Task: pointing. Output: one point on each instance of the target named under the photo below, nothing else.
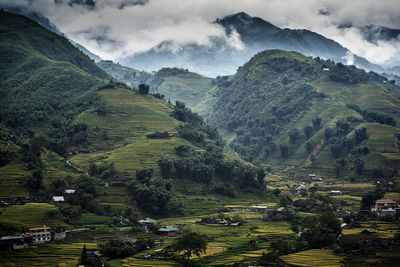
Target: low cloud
(137, 25)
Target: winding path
(76, 168)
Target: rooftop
(385, 201)
(259, 207)
(168, 229)
(58, 198)
(147, 220)
(39, 228)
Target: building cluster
(147, 223)
(387, 207)
(34, 236)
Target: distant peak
(247, 25)
(242, 16)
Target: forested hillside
(280, 105)
(63, 127)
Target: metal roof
(168, 229)
(147, 220)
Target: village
(310, 196)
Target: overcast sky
(115, 28)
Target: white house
(58, 199)
(40, 235)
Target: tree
(293, 135)
(84, 256)
(143, 89)
(261, 176)
(284, 150)
(285, 201)
(359, 165)
(316, 122)
(58, 186)
(308, 131)
(360, 135)
(192, 244)
(143, 176)
(35, 182)
(369, 198)
(322, 231)
(309, 147)
(165, 167)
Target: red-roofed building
(385, 204)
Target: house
(146, 223)
(261, 209)
(335, 193)
(386, 212)
(119, 181)
(15, 242)
(58, 199)
(325, 69)
(40, 235)
(58, 234)
(123, 220)
(130, 243)
(381, 204)
(312, 176)
(83, 150)
(69, 191)
(169, 231)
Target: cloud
(137, 25)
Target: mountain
(62, 125)
(124, 74)
(44, 80)
(180, 84)
(374, 33)
(280, 106)
(247, 36)
(46, 23)
(173, 83)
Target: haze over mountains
(233, 40)
(247, 36)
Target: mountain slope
(180, 84)
(54, 113)
(43, 76)
(266, 106)
(124, 74)
(173, 83)
(222, 57)
(46, 23)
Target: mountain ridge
(256, 34)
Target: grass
(313, 257)
(12, 180)
(130, 117)
(91, 219)
(31, 215)
(50, 254)
(187, 87)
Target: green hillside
(280, 105)
(20, 32)
(54, 112)
(124, 74)
(173, 83)
(180, 84)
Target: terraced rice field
(314, 257)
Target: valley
(292, 160)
